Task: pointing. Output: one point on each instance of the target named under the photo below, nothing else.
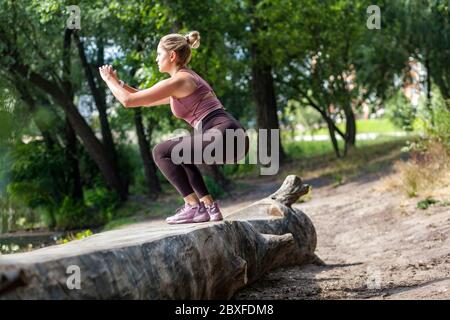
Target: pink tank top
(192, 108)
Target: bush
(427, 169)
(439, 128)
(401, 112)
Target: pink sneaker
(189, 214)
(214, 212)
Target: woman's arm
(130, 89)
(159, 102)
(156, 103)
(158, 93)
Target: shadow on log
(153, 260)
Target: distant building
(412, 81)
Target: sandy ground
(376, 245)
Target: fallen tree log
(210, 260)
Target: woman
(192, 99)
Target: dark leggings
(186, 177)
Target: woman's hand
(108, 73)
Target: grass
(140, 208)
(321, 154)
(382, 125)
(426, 174)
(370, 157)
(301, 149)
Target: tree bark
(350, 129)
(144, 147)
(333, 137)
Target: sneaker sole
(202, 219)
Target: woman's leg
(174, 173)
(196, 180)
(186, 177)
(208, 200)
(194, 175)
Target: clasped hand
(107, 73)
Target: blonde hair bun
(193, 38)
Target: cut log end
(291, 190)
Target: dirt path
(375, 244)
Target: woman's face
(163, 59)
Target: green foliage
(37, 174)
(5, 124)
(433, 123)
(213, 187)
(77, 236)
(424, 204)
(439, 127)
(102, 200)
(39, 181)
(401, 112)
(70, 214)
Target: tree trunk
(99, 99)
(350, 130)
(263, 87)
(205, 261)
(266, 108)
(333, 137)
(74, 176)
(428, 79)
(144, 140)
(144, 147)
